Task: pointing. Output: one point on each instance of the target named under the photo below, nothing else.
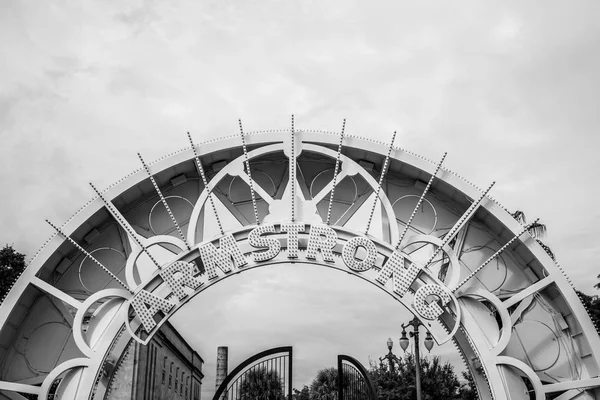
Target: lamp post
(415, 323)
(390, 357)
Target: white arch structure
(517, 319)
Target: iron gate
(265, 376)
(354, 382)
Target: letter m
(227, 255)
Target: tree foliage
(467, 390)
(324, 386)
(12, 264)
(536, 229)
(592, 303)
(438, 381)
(261, 384)
(303, 394)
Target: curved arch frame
(555, 275)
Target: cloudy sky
(510, 89)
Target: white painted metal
(533, 290)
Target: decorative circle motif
(172, 198)
(45, 345)
(407, 204)
(259, 177)
(540, 343)
(100, 280)
(494, 275)
(324, 177)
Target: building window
(181, 386)
(187, 385)
(164, 370)
(196, 391)
(176, 379)
(170, 375)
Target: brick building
(168, 368)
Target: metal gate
(354, 382)
(264, 376)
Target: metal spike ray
(164, 201)
(335, 172)
(459, 224)
(412, 216)
(249, 173)
(493, 256)
(383, 172)
(292, 174)
(205, 182)
(84, 251)
(124, 224)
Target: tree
(303, 394)
(390, 385)
(536, 229)
(468, 390)
(12, 264)
(324, 386)
(592, 303)
(261, 384)
(438, 381)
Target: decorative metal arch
(354, 382)
(277, 359)
(502, 313)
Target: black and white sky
(509, 89)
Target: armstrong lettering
(359, 255)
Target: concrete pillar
(222, 355)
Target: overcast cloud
(510, 89)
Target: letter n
(402, 277)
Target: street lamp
(390, 357)
(415, 323)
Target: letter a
(146, 314)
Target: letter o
(349, 252)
